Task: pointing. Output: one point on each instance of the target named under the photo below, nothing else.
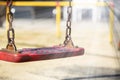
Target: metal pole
(111, 19)
(58, 20)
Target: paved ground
(99, 62)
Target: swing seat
(35, 54)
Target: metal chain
(10, 32)
(68, 41)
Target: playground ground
(100, 61)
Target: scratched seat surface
(46, 53)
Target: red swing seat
(34, 54)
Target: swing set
(11, 54)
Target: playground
(93, 38)
(98, 63)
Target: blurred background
(95, 27)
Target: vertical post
(111, 19)
(7, 11)
(58, 20)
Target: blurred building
(84, 11)
(34, 12)
(87, 11)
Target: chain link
(68, 41)
(10, 32)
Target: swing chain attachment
(68, 41)
(10, 32)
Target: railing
(51, 3)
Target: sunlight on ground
(29, 38)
